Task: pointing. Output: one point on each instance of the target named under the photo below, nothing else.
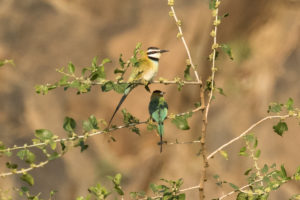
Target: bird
(158, 110)
(143, 73)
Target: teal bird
(158, 109)
(144, 73)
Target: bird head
(154, 53)
(157, 93)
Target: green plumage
(158, 109)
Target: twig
(240, 189)
(22, 171)
(72, 138)
(178, 23)
(246, 131)
(189, 142)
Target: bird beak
(163, 51)
(162, 93)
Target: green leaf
(181, 196)
(117, 181)
(129, 118)
(226, 49)
(275, 108)
(243, 151)
(257, 154)
(82, 145)
(212, 4)
(4, 62)
(246, 173)
(26, 155)
(109, 85)
(187, 75)
(283, 172)
(11, 165)
(265, 169)
(98, 74)
(280, 128)
(28, 179)
(181, 121)
(234, 186)
(151, 126)
(44, 134)
(297, 174)
(94, 63)
(120, 87)
(221, 91)
(99, 191)
(135, 130)
(224, 154)
(69, 124)
(54, 155)
(105, 60)
(289, 104)
(225, 15)
(71, 68)
(121, 61)
(84, 70)
(137, 48)
(63, 81)
(90, 124)
(242, 196)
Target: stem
(247, 131)
(184, 43)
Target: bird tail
(126, 92)
(160, 129)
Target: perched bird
(143, 73)
(158, 109)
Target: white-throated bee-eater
(143, 73)
(158, 109)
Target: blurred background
(42, 35)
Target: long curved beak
(163, 51)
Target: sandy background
(42, 35)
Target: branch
(240, 189)
(178, 23)
(22, 171)
(246, 131)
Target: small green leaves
(71, 68)
(129, 118)
(117, 183)
(169, 191)
(90, 124)
(82, 145)
(275, 108)
(289, 104)
(243, 151)
(69, 124)
(226, 49)
(181, 121)
(44, 134)
(296, 176)
(212, 4)
(224, 154)
(4, 62)
(11, 165)
(26, 155)
(187, 75)
(280, 128)
(27, 178)
(98, 191)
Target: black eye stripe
(153, 58)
